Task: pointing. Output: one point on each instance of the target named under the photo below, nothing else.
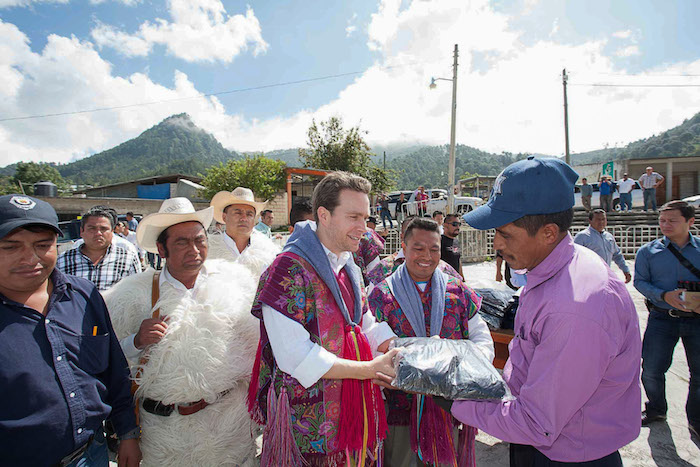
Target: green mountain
(175, 145)
(680, 141)
(428, 165)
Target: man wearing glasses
(450, 251)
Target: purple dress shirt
(574, 363)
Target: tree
(333, 148)
(262, 175)
(28, 173)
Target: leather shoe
(647, 419)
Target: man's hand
(673, 298)
(499, 276)
(129, 453)
(384, 346)
(628, 277)
(383, 365)
(151, 332)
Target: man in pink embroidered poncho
(419, 300)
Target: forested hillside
(175, 145)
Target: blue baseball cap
(21, 210)
(531, 186)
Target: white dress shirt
(228, 241)
(294, 351)
(128, 346)
(625, 186)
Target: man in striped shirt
(99, 258)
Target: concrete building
(160, 187)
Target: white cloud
(351, 27)
(628, 51)
(200, 31)
(626, 34)
(555, 28)
(511, 102)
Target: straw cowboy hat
(240, 195)
(172, 211)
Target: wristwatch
(133, 434)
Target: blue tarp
(160, 191)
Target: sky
(255, 74)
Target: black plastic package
(493, 306)
(453, 369)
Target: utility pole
(384, 160)
(564, 78)
(451, 174)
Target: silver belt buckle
(672, 314)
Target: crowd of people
(234, 338)
(648, 182)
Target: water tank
(46, 189)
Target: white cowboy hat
(172, 211)
(240, 195)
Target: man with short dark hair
(314, 366)
(649, 181)
(384, 213)
(574, 361)
(450, 250)
(597, 239)
(62, 370)
(606, 189)
(132, 223)
(439, 217)
(586, 194)
(388, 265)
(267, 217)
(625, 186)
(301, 211)
(405, 301)
(189, 335)
(100, 257)
(660, 267)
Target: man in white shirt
(649, 181)
(241, 243)
(319, 339)
(189, 335)
(625, 187)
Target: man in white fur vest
(241, 243)
(192, 352)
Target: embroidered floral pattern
(291, 286)
(461, 304)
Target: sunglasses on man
(454, 224)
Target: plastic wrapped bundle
(453, 369)
(493, 305)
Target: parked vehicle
(394, 199)
(693, 200)
(637, 197)
(437, 201)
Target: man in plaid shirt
(99, 258)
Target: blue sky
(73, 55)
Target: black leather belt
(673, 313)
(165, 410)
(75, 455)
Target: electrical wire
(211, 94)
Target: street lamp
(451, 176)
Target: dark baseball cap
(21, 210)
(531, 186)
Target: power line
(201, 96)
(636, 85)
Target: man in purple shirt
(575, 360)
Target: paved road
(663, 444)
